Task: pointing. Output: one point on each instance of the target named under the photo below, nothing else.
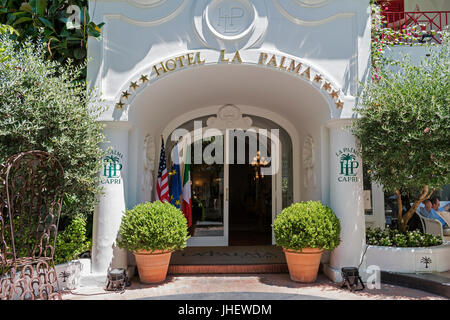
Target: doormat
(232, 255)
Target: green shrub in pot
(153, 226)
(307, 225)
(305, 230)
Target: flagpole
(162, 184)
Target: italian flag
(187, 197)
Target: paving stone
(246, 287)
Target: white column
(346, 199)
(112, 203)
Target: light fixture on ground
(350, 276)
(117, 280)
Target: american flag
(162, 185)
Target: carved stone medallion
(230, 19)
(229, 117)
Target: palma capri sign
(279, 62)
(348, 165)
(112, 168)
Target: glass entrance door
(209, 207)
(232, 202)
(250, 195)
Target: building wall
(329, 34)
(331, 40)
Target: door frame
(276, 195)
(219, 241)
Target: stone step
(228, 269)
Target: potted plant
(152, 231)
(71, 245)
(304, 230)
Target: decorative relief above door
(230, 24)
(229, 117)
(230, 19)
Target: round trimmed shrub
(153, 226)
(307, 225)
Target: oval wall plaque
(230, 19)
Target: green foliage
(72, 242)
(307, 225)
(395, 238)
(42, 108)
(153, 226)
(4, 29)
(50, 22)
(404, 128)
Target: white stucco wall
(332, 35)
(330, 38)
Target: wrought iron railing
(428, 22)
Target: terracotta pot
(303, 265)
(152, 265)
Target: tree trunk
(400, 221)
(404, 219)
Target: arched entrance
(242, 175)
(293, 102)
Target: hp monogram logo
(112, 168)
(230, 24)
(348, 165)
(229, 19)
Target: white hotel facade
(290, 65)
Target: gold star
(134, 85)
(126, 94)
(120, 105)
(317, 78)
(144, 78)
(327, 86)
(340, 104)
(334, 94)
(172, 173)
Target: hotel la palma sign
(348, 165)
(112, 168)
(250, 57)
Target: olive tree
(43, 108)
(404, 127)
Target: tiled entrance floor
(246, 287)
(231, 259)
(237, 255)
